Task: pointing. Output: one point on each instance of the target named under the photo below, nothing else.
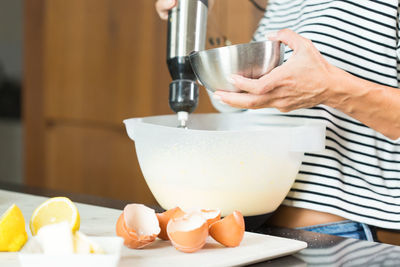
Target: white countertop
(100, 221)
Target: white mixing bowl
(245, 162)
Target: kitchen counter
(323, 250)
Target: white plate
(253, 249)
(111, 246)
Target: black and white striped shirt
(357, 176)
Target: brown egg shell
(229, 231)
(187, 240)
(137, 217)
(163, 219)
(211, 215)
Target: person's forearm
(375, 105)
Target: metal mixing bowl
(213, 67)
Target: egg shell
(211, 215)
(229, 231)
(163, 219)
(139, 216)
(131, 239)
(188, 233)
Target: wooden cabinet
(89, 64)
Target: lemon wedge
(55, 210)
(12, 230)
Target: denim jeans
(348, 229)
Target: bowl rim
(194, 54)
(314, 132)
(291, 123)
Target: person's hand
(163, 6)
(302, 81)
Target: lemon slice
(12, 230)
(55, 210)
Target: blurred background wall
(87, 65)
(11, 32)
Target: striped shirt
(357, 176)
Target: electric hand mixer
(187, 23)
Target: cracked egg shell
(188, 233)
(138, 226)
(163, 219)
(229, 231)
(211, 215)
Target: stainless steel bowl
(213, 67)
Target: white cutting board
(254, 248)
(99, 221)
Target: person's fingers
(241, 100)
(261, 85)
(163, 6)
(289, 38)
(247, 84)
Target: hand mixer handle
(187, 23)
